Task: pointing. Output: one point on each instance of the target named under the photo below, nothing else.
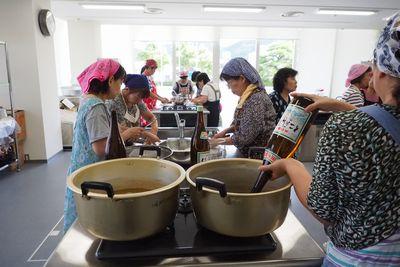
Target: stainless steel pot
(180, 149)
(224, 205)
(148, 151)
(108, 206)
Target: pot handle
(85, 186)
(154, 148)
(213, 183)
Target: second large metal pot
(109, 206)
(224, 205)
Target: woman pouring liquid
(355, 187)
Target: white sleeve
(206, 91)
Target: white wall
(34, 92)
(85, 45)
(118, 45)
(315, 50)
(352, 46)
(48, 85)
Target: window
(191, 56)
(231, 48)
(275, 54)
(162, 53)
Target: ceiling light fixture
(153, 10)
(292, 14)
(233, 9)
(346, 12)
(112, 6)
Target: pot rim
(232, 193)
(164, 143)
(177, 182)
(137, 146)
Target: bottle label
(270, 156)
(292, 123)
(204, 136)
(203, 156)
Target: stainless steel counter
(295, 248)
(160, 111)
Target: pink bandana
(356, 71)
(100, 70)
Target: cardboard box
(19, 116)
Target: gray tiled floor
(32, 204)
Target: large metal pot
(108, 206)
(224, 205)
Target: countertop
(295, 248)
(160, 111)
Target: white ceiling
(190, 12)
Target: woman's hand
(278, 168)
(132, 133)
(164, 100)
(325, 103)
(221, 134)
(150, 138)
(122, 128)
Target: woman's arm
(298, 175)
(325, 103)
(148, 116)
(99, 147)
(200, 99)
(222, 133)
(132, 133)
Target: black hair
(359, 79)
(281, 77)
(144, 92)
(203, 77)
(142, 69)
(226, 77)
(98, 87)
(194, 75)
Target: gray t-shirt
(97, 122)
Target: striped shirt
(385, 253)
(353, 96)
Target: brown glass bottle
(115, 147)
(199, 146)
(286, 137)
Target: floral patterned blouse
(356, 180)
